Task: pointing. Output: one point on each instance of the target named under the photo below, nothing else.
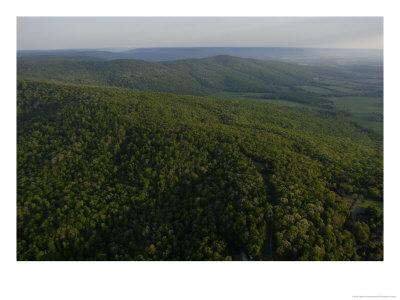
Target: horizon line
(189, 47)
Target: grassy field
(342, 89)
(362, 108)
(359, 104)
(361, 205)
(334, 84)
(258, 98)
(315, 89)
(240, 96)
(367, 202)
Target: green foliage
(356, 91)
(361, 232)
(115, 174)
(297, 95)
(368, 230)
(192, 76)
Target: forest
(322, 87)
(112, 166)
(191, 76)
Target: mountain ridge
(192, 76)
(288, 54)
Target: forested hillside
(272, 80)
(115, 174)
(192, 76)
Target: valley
(217, 158)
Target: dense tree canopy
(115, 174)
(192, 76)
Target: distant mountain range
(313, 56)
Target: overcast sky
(35, 33)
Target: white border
(203, 280)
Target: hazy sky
(135, 32)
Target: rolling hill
(115, 174)
(193, 76)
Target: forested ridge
(115, 174)
(191, 76)
(310, 85)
